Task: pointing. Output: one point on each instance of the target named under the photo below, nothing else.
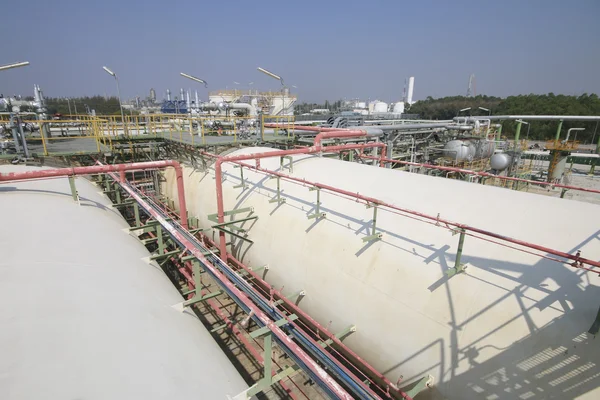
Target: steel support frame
(302, 358)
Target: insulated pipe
(479, 173)
(398, 127)
(532, 117)
(102, 169)
(338, 134)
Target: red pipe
(297, 310)
(103, 169)
(254, 309)
(481, 173)
(257, 156)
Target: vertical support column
(518, 134)
(73, 188)
(160, 240)
(23, 140)
(196, 276)
(117, 194)
(461, 242)
(499, 133)
(136, 212)
(557, 137)
(15, 133)
(458, 267)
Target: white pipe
(532, 117)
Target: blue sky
(328, 49)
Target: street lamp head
(194, 79)
(108, 71)
(14, 65)
(484, 109)
(522, 122)
(465, 109)
(272, 75)
(237, 83)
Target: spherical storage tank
(511, 324)
(500, 161)
(83, 315)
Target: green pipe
(556, 139)
(518, 134)
(499, 133)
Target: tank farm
(390, 260)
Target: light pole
(463, 110)
(14, 65)
(194, 79)
(69, 104)
(275, 76)
(486, 109)
(108, 71)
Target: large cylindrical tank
(399, 107)
(500, 161)
(380, 107)
(511, 324)
(84, 315)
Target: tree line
(102, 105)
(530, 104)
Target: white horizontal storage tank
(513, 326)
(84, 315)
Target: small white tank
(361, 104)
(380, 107)
(399, 107)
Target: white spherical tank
(84, 315)
(498, 326)
(459, 150)
(380, 107)
(500, 161)
(399, 107)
